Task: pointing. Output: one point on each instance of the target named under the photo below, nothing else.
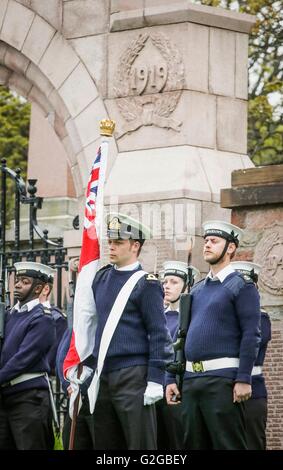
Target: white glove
(153, 393)
(72, 375)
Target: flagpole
(107, 127)
(75, 414)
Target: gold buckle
(198, 366)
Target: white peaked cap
(178, 268)
(124, 226)
(33, 269)
(222, 229)
(246, 267)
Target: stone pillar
(256, 200)
(47, 162)
(177, 88)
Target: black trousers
(121, 421)
(256, 414)
(170, 432)
(26, 421)
(211, 419)
(84, 434)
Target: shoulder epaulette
(247, 279)
(107, 266)
(58, 311)
(101, 271)
(151, 277)
(47, 311)
(236, 283)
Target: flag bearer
(139, 346)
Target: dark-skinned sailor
(25, 411)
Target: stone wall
(256, 199)
(172, 74)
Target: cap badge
(114, 224)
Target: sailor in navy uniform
(134, 368)
(221, 346)
(256, 406)
(176, 277)
(57, 315)
(25, 412)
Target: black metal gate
(40, 249)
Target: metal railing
(40, 248)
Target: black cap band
(35, 275)
(176, 272)
(230, 237)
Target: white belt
(221, 363)
(23, 378)
(257, 370)
(212, 364)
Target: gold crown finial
(107, 127)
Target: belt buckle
(198, 366)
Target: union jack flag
(82, 342)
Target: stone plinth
(256, 200)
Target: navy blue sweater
(172, 319)
(60, 328)
(28, 338)
(225, 322)
(62, 350)
(141, 336)
(258, 382)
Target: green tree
(265, 125)
(14, 134)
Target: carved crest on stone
(269, 254)
(149, 82)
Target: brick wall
(257, 203)
(255, 222)
(273, 371)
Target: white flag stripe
(85, 322)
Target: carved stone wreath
(269, 253)
(149, 109)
